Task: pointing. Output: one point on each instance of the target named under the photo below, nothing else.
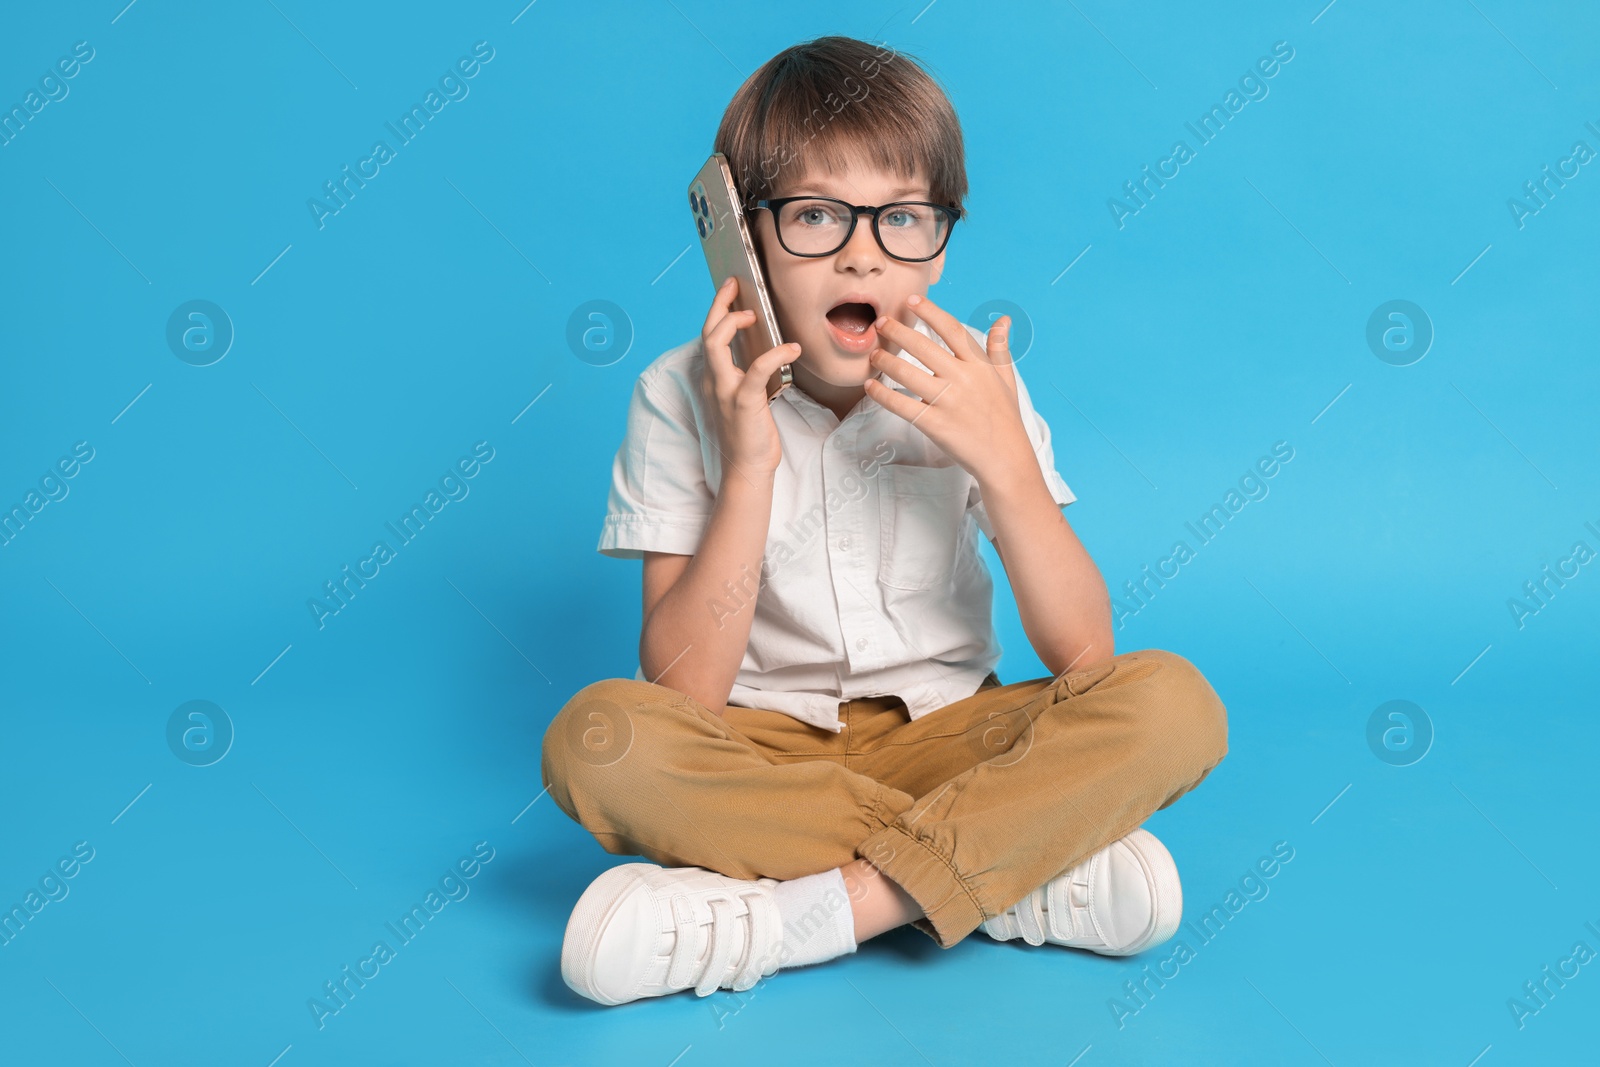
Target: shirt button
(845, 543)
(861, 642)
(838, 442)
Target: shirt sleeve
(659, 500)
(1039, 435)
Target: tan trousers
(968, 808)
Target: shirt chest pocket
(920, 523)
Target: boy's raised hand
(969, 403)
(737, 399)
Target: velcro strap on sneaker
(1030, 918)
(1063, 921)
(723, 934)
(765, 936)
(686, 949)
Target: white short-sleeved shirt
(872, 583)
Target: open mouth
(851, 325)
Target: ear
(938, 269)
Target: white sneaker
(1119, 901)
(643, 930)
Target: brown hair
(818, 103)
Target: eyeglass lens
(818, 227)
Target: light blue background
(370, 755)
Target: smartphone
(725, 240)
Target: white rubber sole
(1161, 873)
(590, 917)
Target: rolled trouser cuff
(950, 909)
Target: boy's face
(805, 289)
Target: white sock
(817, 922)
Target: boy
(815, 748)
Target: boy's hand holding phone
(745, 431)
(730, 252)
(971, 408)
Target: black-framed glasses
(913, 231)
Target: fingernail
(914, 300)
(880, 321)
